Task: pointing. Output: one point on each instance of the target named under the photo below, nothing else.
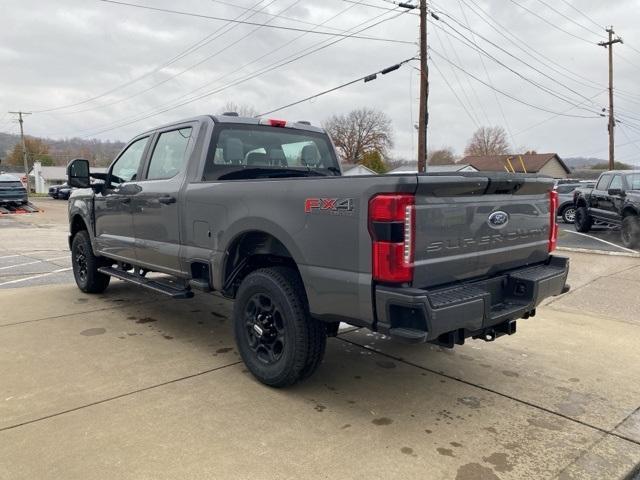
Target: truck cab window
(603, 183)
(616, 182)
(125, 169)
(169, 154)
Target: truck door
(114, 225)
(156, 207)
(598, 197)
(613, 203)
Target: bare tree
(360, 131)
(443, 156)
(488, 141)
(242, 109)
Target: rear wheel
(582, 220)
(86, 264)
(278, 339)
(568, 214)
(631, 231)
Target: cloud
(68, 51)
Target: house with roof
(543, 163)
(41, 178)
(349, 170)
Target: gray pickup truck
(257, 211)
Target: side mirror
(78, 173)
(615, 191)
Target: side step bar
(154, 285)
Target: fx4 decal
(336, 206)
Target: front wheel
(583, 221)
(631, 231)
(569, 214)
(86, 264)
(278, 339)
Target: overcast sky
(66, 52)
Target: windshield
(264, 149)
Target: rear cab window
(260, 151)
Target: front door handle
(166, 200)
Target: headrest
(233, 151)
(257, 158)
(309, 155)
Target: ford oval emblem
(498, 219)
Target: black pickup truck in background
(615, 200)
(258, 211)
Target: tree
(373, 160)
(488, 141)
(242, 109)
(443, 156)
(616, 166)
(360, 131)
(37, 151)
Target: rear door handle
(167, 200)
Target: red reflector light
(553, 226)
(389, 207)
(392, 259)
(277, 123)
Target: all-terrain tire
(631, 231)
(277, 338)
(583, 221)
(86, 264)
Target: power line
(486, 72)
(275, 65)
(511, 96)
(566, 17)
(547, 22)
(515, 72)
(190, 49)
(257, 24)
(365, 78)
(476, 47)
(583, 14)
(446, 81)
(196, 64)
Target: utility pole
(424, 90)
(24, 146)
(612, 120)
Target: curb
(598, 252)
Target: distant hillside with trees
(57, 152)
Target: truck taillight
(553, 226)
(392, 229)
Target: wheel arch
(248, 251)
(629, 210)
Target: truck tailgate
(475, 225)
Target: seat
(309, 156)
(233, 151)
(257, 158)
(278, 157)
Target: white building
(352, 170)
(41, 178)
(454, 167)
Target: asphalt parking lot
(128, 384)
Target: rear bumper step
(483, 309)
(155, 285)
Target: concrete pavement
(129, 384)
